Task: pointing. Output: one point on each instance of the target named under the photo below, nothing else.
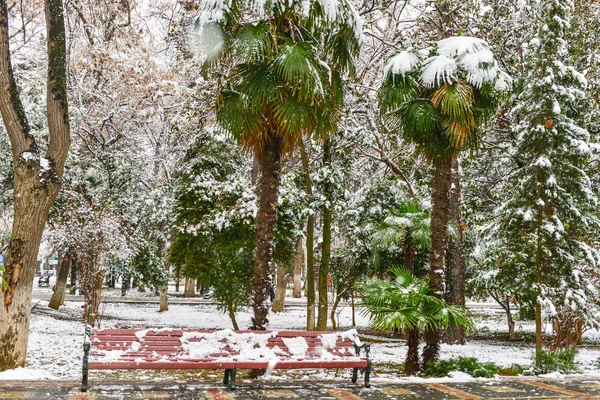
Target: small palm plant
(407, 226)
(406, 302)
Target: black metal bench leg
(354, 375)
(226, 378)
(232, 373)
(368, 374)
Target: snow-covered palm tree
(437, 98)
(287, 60)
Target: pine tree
(548, 221)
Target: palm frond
(419, 118)
(253, 43)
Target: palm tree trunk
(310, 250)
(440, 188)
(326, 248)
(266, 219)
(58, 297)
(411, 365)
(455, 255)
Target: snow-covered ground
(56, 339)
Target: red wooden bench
(225, 349)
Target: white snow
(296, 346)
(402, 63)
(438, 70)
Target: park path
(581, 388)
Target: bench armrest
(365, 346)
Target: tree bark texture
(411, 364)
(326, 249)
(90, 277)
(297, 292)
(58, 297)
(189, 289)
(35, 183)
(440, 188)
(266, 219)
(455, 255)
(310, 249)
(280, 289)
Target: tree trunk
(310, 250)
(91, 277)
(280, 289)
(455, 255)
(233, 320)
(58, 297)
(189, 289)
(326, 248)
(164, 299)
(353, 308)
(266, 219)
(126, 283)
(73, 278)
(177, 278)
(440, 188)
(36, 179)
(297, 293)
(510, 321)
(334, 307)
(411, 364)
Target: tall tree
(286, 82)
(36, 178)
(550, 219)
(437, 103)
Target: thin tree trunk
(455, 255)
(310, 250)
(233, 320)
(35, 183)
(411, 364)
(73, 278)
(58, 297)
(510, 321)
(353, 309)
(326, 248)
(280, 289)
(189, 289)
(440, 188)
(334, 307)
(126, 283)
(297, 293)
(266, 219)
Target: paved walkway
(493, 389)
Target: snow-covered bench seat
(223, 349)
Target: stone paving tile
(501, 389)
